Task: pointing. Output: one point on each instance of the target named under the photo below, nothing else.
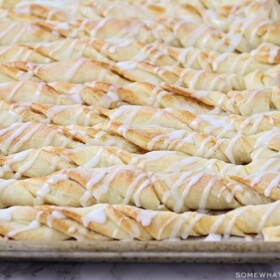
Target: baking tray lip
(141, 251)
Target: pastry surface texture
(139, 120)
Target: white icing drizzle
(267, 215)
(32, 226)
(97, 216)
(198, 33)
(136, 196)
(273, 184)
(213, 237)
(98, 27)
(189, 227)
(173, 192)
(205, 194)
(217, 122)
(16, 158)
(273, 54)
(230, 147)
(237, 213)
(94, 161)
(9, 29)
(230, 195)
(19, 129)
(185, 60)
(14, 90)
(267, 165)
(127, 65)
(110, 176)
(253, 33)
(164, 225)
(70, 73)
(265, 137)
(55, 215)
(216, 225)
(194, 180)
(27, 164)
(131, 189)
(204, 143)
(145, 217)
(6, 215)
(89, 186)
(46, 187)
(218, 58)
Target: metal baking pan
(139, 251)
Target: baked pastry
(153, 109)
(174, 31)
(262, 58)
(122, 73)
(224, 126)
(109, 95)
(178, 192)
(123, 222)
(22, 136)
(95, 10)
(47, 160)
(238, 150)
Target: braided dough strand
(123, 222)
(47, 160)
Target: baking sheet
(139, 251)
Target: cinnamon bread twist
(122, 222)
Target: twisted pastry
(47, 160)
(76, 71)
(101, 94)
(256, 31)
(27, 32)
(122, 73)
(248, 33)
(24, 32)
(266, 53)
(266, 9)
(214, 4)
(22, 136)
(122, 222)
(60, 114)
(109, 95)
(173, 31)
(158, 54)
(225, 63)
(227, 126)
(220, 126)
(96, 11)
(50, 51)
(206, 36)
(221, 19)
(245, 103)
(247, 8)
(237, 150)
(138, 116)
(177, 192)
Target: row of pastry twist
(139, 119)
